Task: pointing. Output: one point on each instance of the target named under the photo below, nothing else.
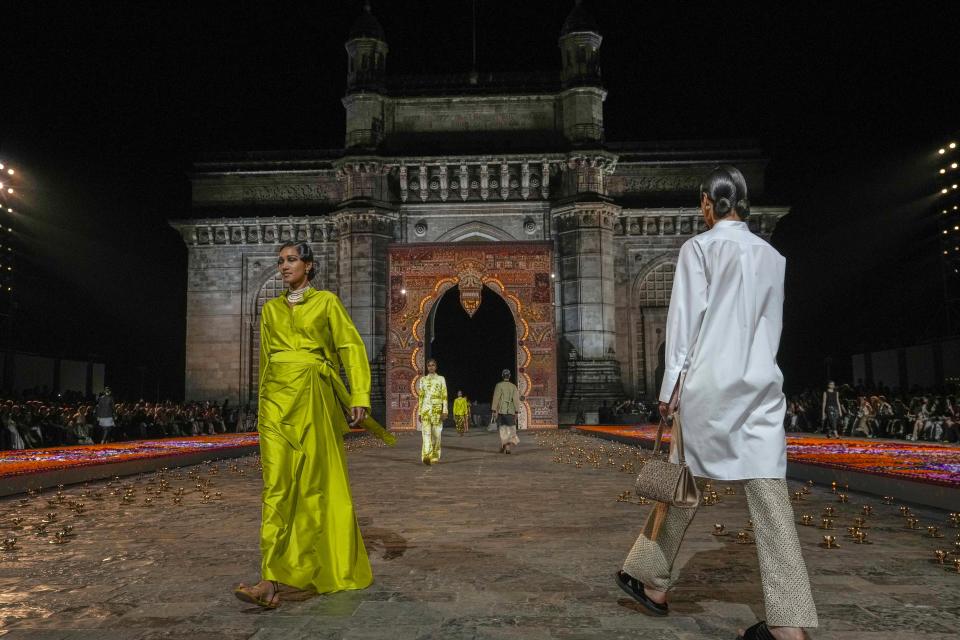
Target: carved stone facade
(489, 160)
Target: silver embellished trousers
(783, 573)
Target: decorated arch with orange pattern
(519, 272)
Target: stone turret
(366, 75)
(583, 94)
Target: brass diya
(642, 500)
(806, 520)
(749, 525)
(797, 496)
(867, 510)
(826, 523)
(933, 532)
(743, 537)
(718, 530)
(912, 523)
(956, 563)
(40, 528)
(829, 512)
(861, 523)
(888, 500)
(842, 498)
(833, 487)
(829, 542)
(59, 538)
(8, 544)
(940, 556)
(729, 491)
(16, 521)
(861, 538)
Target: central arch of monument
(519, 272)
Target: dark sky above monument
(106, 103)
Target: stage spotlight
(943, 191)
(9, 171)
(953, 165)
(10, 190)
(942, 151)
(942, 171)
(953, 145)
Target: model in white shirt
(723, 329)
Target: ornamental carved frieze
(587, 217)
(349, 222)
(255, 232)
(284, 192)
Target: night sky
(105, 105)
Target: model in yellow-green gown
(461, 413)
(431, 412)
(309, 537)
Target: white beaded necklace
(293, 297)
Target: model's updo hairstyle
(726, 188)
(305, 251)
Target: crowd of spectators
(879, 412)
(67, 419)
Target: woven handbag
(668, 482)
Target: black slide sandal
(759, 631)
(634, 588)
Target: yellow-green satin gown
(309, 536)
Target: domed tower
(366, 72)
(583, 94)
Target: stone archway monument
(519, 272)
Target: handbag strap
(676, 433)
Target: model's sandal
(246, 594)
(634, 588)
(759, 631)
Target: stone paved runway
(481, 546)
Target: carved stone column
(444, 192)
(484, 181)
(584, 232)
(363, 235)
(504, 180)
(424, 183)
(525, 180)
(464, 178)
(403, 183)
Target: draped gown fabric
(723, 327)
(309, 536)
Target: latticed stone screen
(655, 289)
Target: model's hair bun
(724, 186)
(743, 207)
(722, 206)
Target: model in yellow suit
(431, 411)
(309, 536)
(461, 413)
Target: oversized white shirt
(723, 327)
